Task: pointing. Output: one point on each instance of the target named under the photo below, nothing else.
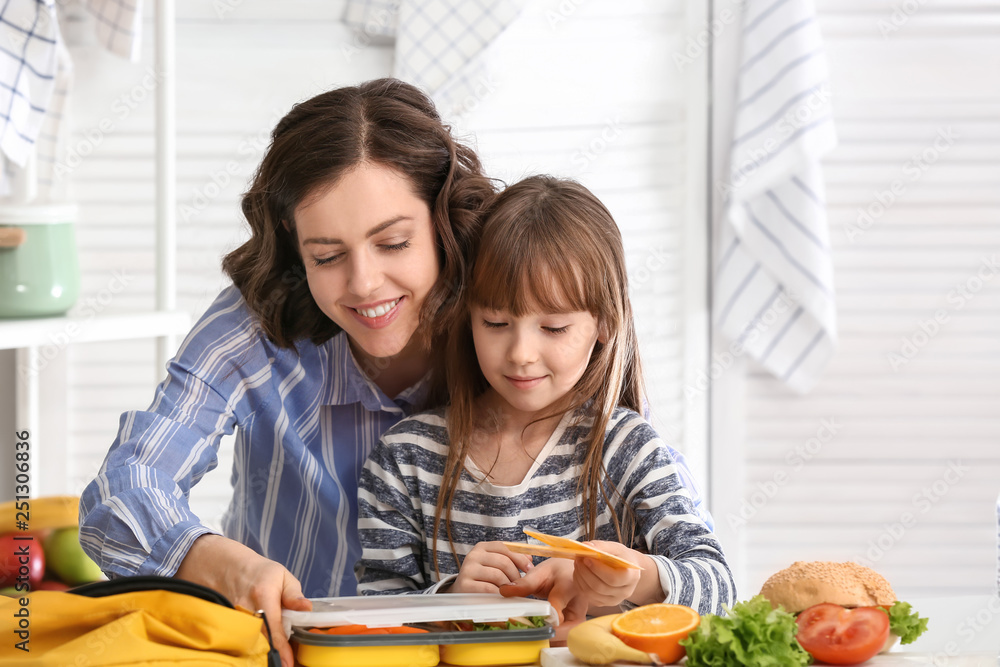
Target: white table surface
(962, 632)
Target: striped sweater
(399, 488)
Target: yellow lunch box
(463, 648)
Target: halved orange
(657, 628)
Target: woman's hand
(489, 566)
(553, 580)
(606, 586)
(248, 580)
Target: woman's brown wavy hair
(386, 122)
(547, 245)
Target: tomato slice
(839, 636)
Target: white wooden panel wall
(894, 458)
(583, 89)
(590, 91)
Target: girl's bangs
(533, 279)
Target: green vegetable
(751, 634)
(905, 622)
(536, 622)
(487, 627)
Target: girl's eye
(493, 325)
(397, 246)
(556, 330)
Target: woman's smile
(378, 315)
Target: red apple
(19, 550)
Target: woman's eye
(397, 246)
(556, 330)
(320, 261)
(493, 325)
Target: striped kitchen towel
(774, 293)
(119, 26)
(440, 44)
(29, 64)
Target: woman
(361, 216)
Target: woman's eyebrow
(380, 227)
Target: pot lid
(37, 214)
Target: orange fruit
(657, 628)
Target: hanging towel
(119, 26)
(29, 62)
(440, 44)
(774, 293)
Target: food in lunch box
(512, 623)
(365, 630)
(847, 613)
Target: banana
(593, 643)
(50, 512)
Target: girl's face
(534, 360)
(370, 255)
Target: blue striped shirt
(399, 490)
(304, 425)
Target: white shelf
(62, 331)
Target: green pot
(39, 272)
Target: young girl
(542, 430)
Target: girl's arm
(390, 528)
(689, 563)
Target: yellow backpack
(132, 621)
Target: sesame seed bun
(805, 584)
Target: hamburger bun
(805, 584)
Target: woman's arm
(134, 516)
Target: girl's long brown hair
(547, 245)
(386, 122)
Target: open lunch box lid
(385, 611)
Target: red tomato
(12, 546)
(839, 636)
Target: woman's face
(370, 255)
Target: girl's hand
(489, 566)
(553, 580)
(248, 580)
(605, 586)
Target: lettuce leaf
(511, 624)
(905, 622)
(751, 634)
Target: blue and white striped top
(304, 425)
(399, 490)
